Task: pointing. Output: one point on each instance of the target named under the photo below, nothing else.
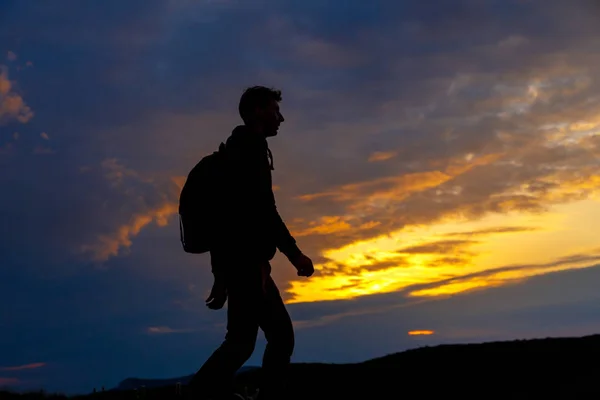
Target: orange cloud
(179, 181)
(420, 261)
(24, 367)
(108, 246)
(116, 172)
(383, 188)
(459, 166)
(328, 225)
(325, 225)
(396, 188)
(12, 105)
(382, 156)
(420, 333)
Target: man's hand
(304, 265)
(218, 296)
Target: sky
(439, 163)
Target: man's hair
(256, 96)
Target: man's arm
(283, 238)
(217, 266)
(287, 245)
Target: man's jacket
(252, 229)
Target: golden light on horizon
(421, 333)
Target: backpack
(199, 203)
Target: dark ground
(562, 368)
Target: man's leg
(215, 377)
(276, 323)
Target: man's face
(270, 118)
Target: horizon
(153, 383)
(438, 163)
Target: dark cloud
(562, 262)
(90, 327)
(441, 246)
(65, 210)
(493, 231)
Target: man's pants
(254, 302)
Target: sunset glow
(453, 257)
(439, 163)
(420, 333)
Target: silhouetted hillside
(134, 383)
(541, 369)
(562, 368)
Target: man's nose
(281, 119)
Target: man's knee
(283, 343)
(288, 345)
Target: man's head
(259, 108)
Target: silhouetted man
(250, 233)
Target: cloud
(439, 247)
(9, 381)
(327, 225)
(530, 309)
(494, 230)
(39, 149)
(500, 276)
(10, 56)
(533, 125)
(372, 207)
(464, 124)
(423, 267)
(7, 148)
(12, 105)
(43, 150)
(312, 315)
(112, 245)
(495, 304)
(420, 333)
(119, 239)
(24, 367)
(322, 53)
(104, 206)
(381, 156)
(116, 173)
(162, 330)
